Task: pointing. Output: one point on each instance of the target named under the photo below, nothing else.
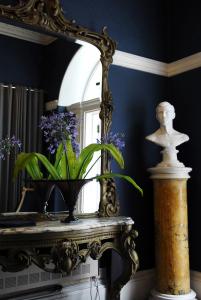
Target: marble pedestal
(171, 234)
(159, 296)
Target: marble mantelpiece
(59, 247)
(47, 226)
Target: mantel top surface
(47, 226)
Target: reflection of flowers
(117, 139)
(59, 127)
(9, 145)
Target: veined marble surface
(57, 226)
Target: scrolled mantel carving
(48, 15)
(65, 255)
(70, 256)
(15, 260)
(128, 242)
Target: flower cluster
(59, 127)
(117, 139)
(8, 145)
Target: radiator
(33, 279)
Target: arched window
(80, 92)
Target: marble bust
(166, 136)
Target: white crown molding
(185, 64)
(139, 63)
(135, 62)
(123, 59)
(25, 34)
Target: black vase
(70, 190)
(44, 189)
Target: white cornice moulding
(135, 62)
(123, 59)
(25, 34)
(139, 63)
(185, 64)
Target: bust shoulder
(173, 139)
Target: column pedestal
(158, 296)
(171, 234)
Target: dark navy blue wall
(21, 62)
(29, 64)
(184, 28)
(56, 59)
(9, 2)
(138, 26)
(185, 94)
(149, 29)
(163, 30)
(136, 95)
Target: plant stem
(92, 166)
(67, 165)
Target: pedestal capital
(169, 172)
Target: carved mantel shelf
(57, 247)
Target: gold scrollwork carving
(109, 206)
(128, 242)
(65, 256)
(94, 249)
(130, 260)
(15, 260)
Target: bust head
(165, 113)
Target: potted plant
(68, 169)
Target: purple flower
(117, 139)
(9, 145)
(59, 127)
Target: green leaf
(71, 159)
(59, 154)
(65, 162)
(33, 169)
(87, 153)
(30, 162)
(63, 166)
(128, 178)
(47, 164)
(24, 160)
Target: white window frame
(80, 109)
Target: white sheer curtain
(20, 111)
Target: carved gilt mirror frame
(48, 15)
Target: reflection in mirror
(59, 71)
(80, 92)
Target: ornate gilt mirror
(47, 18)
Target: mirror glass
(48, 72)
